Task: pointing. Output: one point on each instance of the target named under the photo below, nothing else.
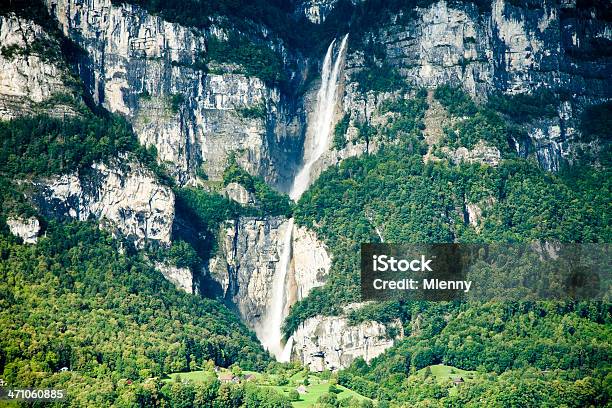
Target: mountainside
(244, 150)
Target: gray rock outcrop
(124, 196)
(316, 10)
(25, 228)
(150, 70)
(182, 278)
(238, 193)
(33, 76)
(249, 255)
(330, 342)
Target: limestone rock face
(316, 10)
(248, 258)
(124, 196)
(30, 73)
(182, 278)
(473, 213)
(504, 48)
(238, 193)
(481, 153)
(311, 262)
(26, 229)
(149, 70)
(329, 342)
(249, 251)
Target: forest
(75, 300)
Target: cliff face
(150, 70)
(26, 229)
(316, 10)
(507, 48)
(331, 343)
(249, 257)
(126, 197)
(182, 278)
(33, 76)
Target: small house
(457, 381)
(301, 389)
(226, 377)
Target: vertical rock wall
(126, 197)
(150, 70)
(249, 255)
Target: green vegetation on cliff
(409, 201)
(43, 146)
(254, 60)
(267, 200)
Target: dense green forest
(77, 300)
(523, 354)
(42, 146)
(410, 201)
(520, 349)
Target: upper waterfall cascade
(321, 126)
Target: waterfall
(321, 126)
(269, 331)
(286, 354)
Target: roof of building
(226, 376)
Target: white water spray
(269, 331)
(286, 354)
(324, 115)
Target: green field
(314, 390)
(443, 373)
(195, 376)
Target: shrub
(339, 141)
(524, 107)
(269, 202)
(455, 100)
(256, 60)
(258, 111)
(293, 396)
(176, 101)
(596, 122)
(379, 78)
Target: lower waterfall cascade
(269, 330)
